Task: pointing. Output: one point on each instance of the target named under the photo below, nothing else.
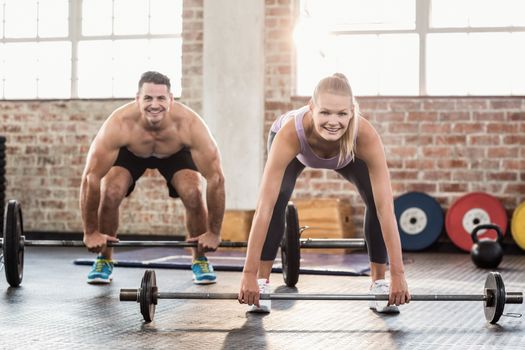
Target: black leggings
(357, 173)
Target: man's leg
(114, 188)
(187, 183)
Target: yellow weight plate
(517, 226)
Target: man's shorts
(166, 166)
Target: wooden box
(236, 225)
(326, 218)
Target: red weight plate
(469, 211)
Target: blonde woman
(328, 133)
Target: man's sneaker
(101, 271)
(265, 305)
(203, 271)
(381, 306)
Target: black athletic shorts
(166, 166)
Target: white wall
(233, 93)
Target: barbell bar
(494, 296)
(14, 242)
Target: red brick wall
(443, 146)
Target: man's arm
(207, 158)
(101, 156)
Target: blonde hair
(338, 84)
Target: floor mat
(355, 264)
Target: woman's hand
(249, 292)
(399, 293)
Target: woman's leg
(276, 227)
(277, 223)
(357, 173)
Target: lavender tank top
(306, 155)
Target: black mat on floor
(355, 264)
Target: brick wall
(443, 146)
(48, 143)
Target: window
(409, 47)
(87, 48)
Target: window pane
(113, 68)
(374, 64)
(130, 62)
(516, 63)
(20, 18)
(131, 17)
(169, 63)
(21, 77)
(53, 18)
(481, 63)
(2, 69)
(165, 17)
(1, 16)
(95, 69)
(361, 14)
(97, 17)
(54, 70)
(477, 13)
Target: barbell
(13, 244)
(494, 296)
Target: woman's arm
(370, 149)
(284, 148)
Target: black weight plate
(290, 247)
(419, 219)
(495, 291)
(12, 249)
(146, 299)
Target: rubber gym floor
(54, 308)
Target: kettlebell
(486, 253)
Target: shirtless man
(152, 132)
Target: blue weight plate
(419, 220)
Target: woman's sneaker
(265, 306)
(381, 306)
(203, 271)
(101, 271)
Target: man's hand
(96, 241)
(207, 242)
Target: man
(152, 132)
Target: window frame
(74, 37)
(422, 29)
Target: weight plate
(419, 219)
(495, 292)
(517, 225)
(470, 210)
(147, 300)
(12, 248)
(290, 247)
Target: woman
(328, 133)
